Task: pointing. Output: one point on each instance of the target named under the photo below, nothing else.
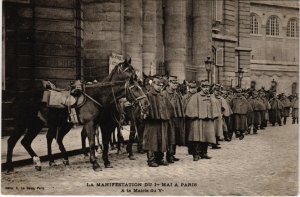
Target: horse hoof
(131, 157)
(10, 170)
(98, 169)
(108, 166)
(38, 168)
(66, 162)
(52, 163)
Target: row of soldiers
(204, 116)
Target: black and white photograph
(150, 97)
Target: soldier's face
(173, 84)
(157, 86)
(205, 89)
(192, 90)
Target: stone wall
(103, 31)
(274, 57)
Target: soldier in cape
(201, 111)
(286, 104)
(294, 105)
(240, 108)
(191, 90)
(258, 107)
(177, 131)
(275, 111)
(157, 125)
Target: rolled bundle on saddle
(59, 98)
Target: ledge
(243, 49)
(224, 37)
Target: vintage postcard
(150, 97)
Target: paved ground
(263, 164)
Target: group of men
(205, 115)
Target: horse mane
(117, 70)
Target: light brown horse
(97, 111)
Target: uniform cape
(159, 106)
(202, 106)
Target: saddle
(60, 98)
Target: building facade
(275, 44)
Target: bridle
(130, 95)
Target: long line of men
(205, 115)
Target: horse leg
(64, 130)
(120, 136)
(90, 130)
(83, 138)
(98, 139)
(32, 132)
(119, 140)
(106, 135)
(11, 142)
(50, 136)
(112, 141)
(130, 142)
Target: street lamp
(240, 76)
(208, 64)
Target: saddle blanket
(58, 99)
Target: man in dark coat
(240, 108)
(155, 139)
(275, 111)
(177, 132)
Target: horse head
(135, 95)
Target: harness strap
(92, 99)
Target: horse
(29, 121)
(103, 99)
(29, 105)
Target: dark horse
(30, 121)
(120, 83)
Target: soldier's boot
(203, 153)
(151, 159)
(174, 153)
(215, 146)
(294, 119)
(159, 158)
(255, 129)
(170, 153)
(284, 120)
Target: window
(292, 28)
(272, 27)
(217, 6)
(254, 24)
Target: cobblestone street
(263, 164)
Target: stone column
(133, 32)
(175, 37)
(202, 35)
(149, 37)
